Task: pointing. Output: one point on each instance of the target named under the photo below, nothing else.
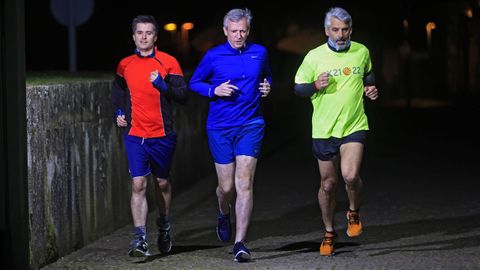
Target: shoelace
(328, 241)
(353, 218)
(328, 238)
(144, 245)
(139, 243)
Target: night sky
(106, 37)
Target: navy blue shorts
(150, 155)
(226, 144)
(327, 149)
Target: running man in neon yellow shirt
(335, 76)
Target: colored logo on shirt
(344, 71)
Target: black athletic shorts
(327, 149)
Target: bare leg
(164, 196)
(244, 174)
(326, 193)
(138, 201)
(351, 159)
(225, 191)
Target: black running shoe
(164, 241)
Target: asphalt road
(420, 204)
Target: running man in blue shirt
(235, 76)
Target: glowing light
(469, 13)
(405, 27)
(170, 27)
(429, 27)
(187, 26)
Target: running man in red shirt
(144, 87)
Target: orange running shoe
(354, 227)
(327, 246)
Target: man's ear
(225, 31)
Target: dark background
(106, 36)
(406, 66)
(427, 110)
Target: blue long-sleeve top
(246, 69)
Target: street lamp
(429, 27)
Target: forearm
(177, 88)
(119, 89)
(369, 79)
(305, 89)
(203, 89)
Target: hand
(322, 81)
(371, 92)
(153, 75)
(264, 88)
(121, 122)
(225, 89)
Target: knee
(244, 186)
(138, 187)
(225, 190)
(163, 184)
(351, 179)
(328, 185)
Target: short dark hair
(144, 19)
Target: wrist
(119, 112)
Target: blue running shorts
(327, 149)
(226, 144)
(150, 155)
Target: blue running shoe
(224, 228)
(139, 248)
(241, 252)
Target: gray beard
(339, 47)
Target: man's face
(339, 32)
(237, 33)
(145, 37)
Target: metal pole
(72, 37)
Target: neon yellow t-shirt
(338, 109)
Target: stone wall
(78, 181)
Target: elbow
(303, 90)
(182, 96)
(369, 79)
(297, 90)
